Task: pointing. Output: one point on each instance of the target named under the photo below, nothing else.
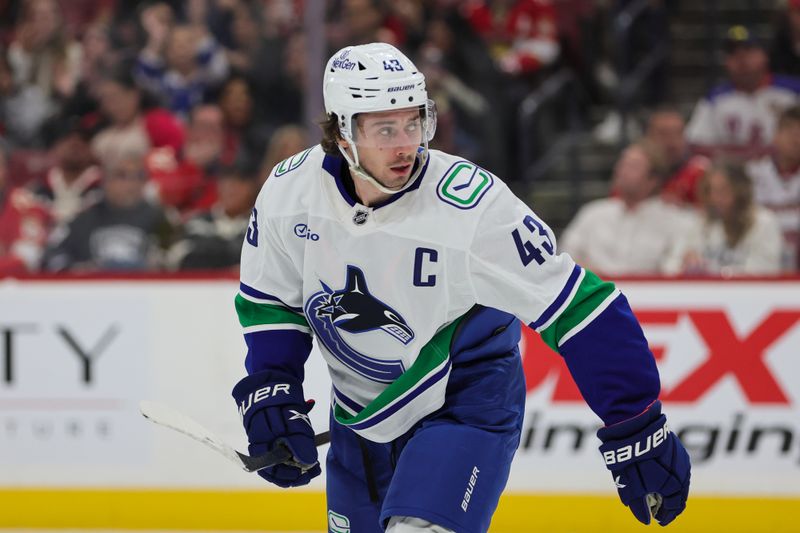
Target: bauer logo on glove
(261, 394)
(625, 453)
(649, 466)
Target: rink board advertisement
(77, 356)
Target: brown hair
(330, 134)
(742, 215)
(790, 114)
(664, 109)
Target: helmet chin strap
(361, 172)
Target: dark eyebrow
(391, 122)
(384, 123)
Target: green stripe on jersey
(256, 314)
(431, 356)
(590, 294)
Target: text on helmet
(400, 88)
(343, 63)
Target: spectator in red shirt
(186, 181)
(23, 226)
(131, 123)
(665, 129)
(522, 34)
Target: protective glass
(392, 129)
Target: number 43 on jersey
(527, 250)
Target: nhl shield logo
(360, 217)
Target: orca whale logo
(355, 310)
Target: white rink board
(729, 359)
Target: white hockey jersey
(382, 288)
(728, 118)
(780, 194)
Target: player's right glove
(274, 413)
(647, 462)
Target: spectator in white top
(42, 54)
(739, 116)
(776, 182)
(733, 236)
(631, 231)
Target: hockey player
(413, 269)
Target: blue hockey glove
(274, 413)
(650, 466)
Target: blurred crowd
(134, 136)
(718, 195)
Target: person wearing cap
(738, 117)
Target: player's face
(120, 103)
(387, 144)
(633, 174)
(123, 183)
(747, 66)
(73, 153)
(720, 194)
(666, 130)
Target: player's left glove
(647, 462)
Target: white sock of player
(409, 524)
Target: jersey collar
(336, 166)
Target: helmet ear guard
(374, 78)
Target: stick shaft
(170, 418)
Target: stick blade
(166, 416)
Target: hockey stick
(166, 416)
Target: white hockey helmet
(371, 78)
